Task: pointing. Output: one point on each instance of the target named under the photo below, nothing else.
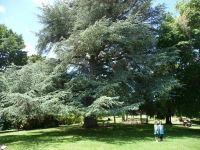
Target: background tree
(34, 58)
(187, 100)
(25, 95)
(182, 33)
(191, 10)
(11, 46)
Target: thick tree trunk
(126, 117)
(114, 119)
(123, 117)
(147, 120)
(141, 117)
(168, 119)
(90, 122)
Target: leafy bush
(70, 119)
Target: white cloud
(30, 49)
(42, 2)
(2, 9)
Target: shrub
(70, 119)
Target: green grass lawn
(119, 137)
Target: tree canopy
(113, 57)
(11, 45)
(182, 32)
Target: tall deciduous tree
(182, 32)
(11, 46)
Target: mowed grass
(118, 137)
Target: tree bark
(126, 117)
(114, 119)
(141, 117)
(168, 119)
(147, 120)
(123, 117)
(90, 122)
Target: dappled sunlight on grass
(114, 137)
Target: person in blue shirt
(161, 131)
(156, 131)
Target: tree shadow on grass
(7, 131)
(117, 134)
